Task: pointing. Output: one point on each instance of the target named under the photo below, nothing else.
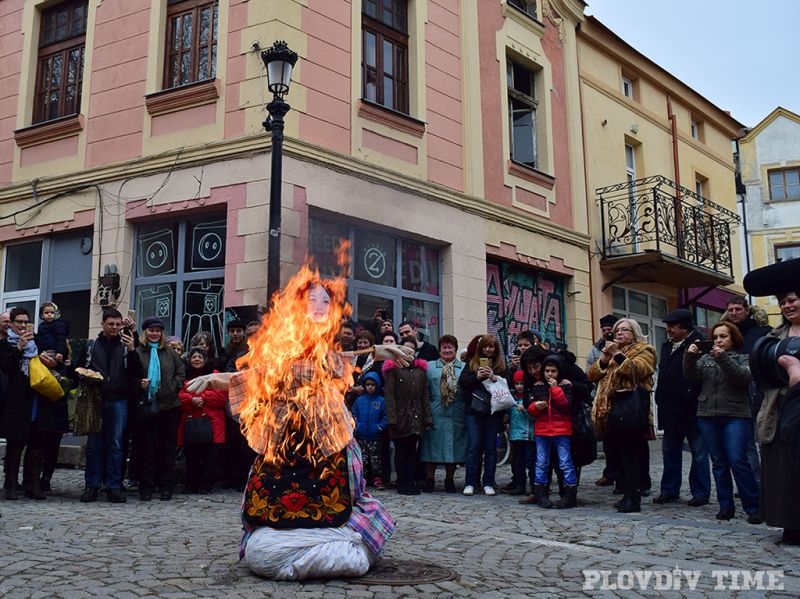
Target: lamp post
(279, 60)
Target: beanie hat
(236, 323)
(173, 339)
(518, 376)
(608, 320)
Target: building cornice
(306, 152)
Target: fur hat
(608, 320)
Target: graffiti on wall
(518, 299)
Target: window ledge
(531, 174)
(529, 22)
(180, 98)
(42, 133)
(391, 118)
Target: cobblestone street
(188, 547)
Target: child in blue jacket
(369, 411)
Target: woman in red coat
(201, 457)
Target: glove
(399, 353)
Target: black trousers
(633, 454)
(155, 448)
(201, 465)
(405, 458)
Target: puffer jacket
(370, 412)
(556, 419)
(725, 383)
(408, 406)
(213, 406)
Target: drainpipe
(741, 198)
(677, 175)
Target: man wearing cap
(612, 464)
(676, 400)
(110, 355)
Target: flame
(294, 405)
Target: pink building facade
(441, 138)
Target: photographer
(779, 418)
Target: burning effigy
(305, 511)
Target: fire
(295, 395)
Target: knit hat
(173, 339)
(518, 376)
(236, 323)
(538, 334)
(152, 322)
(608, 320)
(198, 350)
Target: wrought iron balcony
(655, 230)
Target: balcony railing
(655, 214)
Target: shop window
(180, 275)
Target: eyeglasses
(21, 321)
(624, 330)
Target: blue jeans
(699, 473)
(561, 443)
(481, 441)
(104, 450)
(727, 440)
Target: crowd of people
(433, 410)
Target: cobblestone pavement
(188, 547)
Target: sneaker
(488, 490)
(89, 494)
(469, 490)
(116, 496)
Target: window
(630, 177)
(398, 275)
(627, 88)
(522, 105)
(191, 50)
(180, 275)
(786, 252)
(526, 6)
(784, 184)
(59, 72)
(695, 129)
(648, 310)
(384, 60)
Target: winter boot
(32, 474)
(630, 503)
(570, 497)
(519, 489)
(534, 498)
(543, 494)
(11, 485)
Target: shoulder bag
(630, 408)
(197, 430)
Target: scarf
(448, 387)
(153, 372)
(28, 352)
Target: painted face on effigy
(319, 304)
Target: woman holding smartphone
(723, 415)
(482, 427)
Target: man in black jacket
(112, 355)
(676, 399)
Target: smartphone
(484, 363)
(610, 336)
(29, 327)
(382, 312)
(132, 315)
(517, 352)
(704, 346)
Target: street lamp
(279, 60)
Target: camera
(609, 336)
(704, 346)
(517, 352)
(764, 360)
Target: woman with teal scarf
(159, 412)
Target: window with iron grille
(784, 184)
(59, 72)
(384, 59)
(522, 105)
(191, 50)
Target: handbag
(480, 401)
(197, 430)
(582, 425)
(630, 408)
(299, 494)
(500, 396)
(88, 418)
(43, 381)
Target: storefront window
(420, 268)
(375, 258)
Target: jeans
(481, 441)
(561, 443)
(727, 440)
(699, 473)
(104, 450)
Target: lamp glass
(279, 75)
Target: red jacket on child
(556, 419)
